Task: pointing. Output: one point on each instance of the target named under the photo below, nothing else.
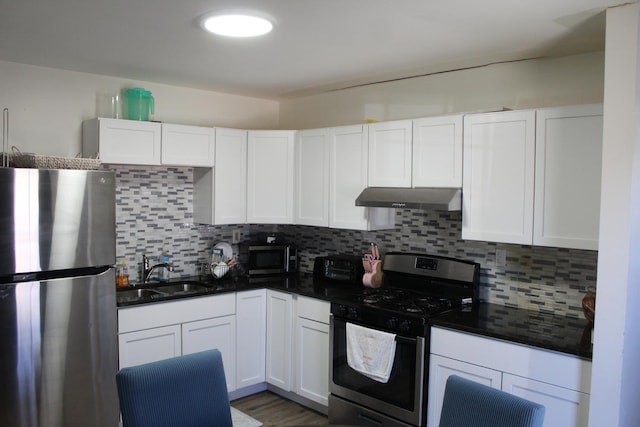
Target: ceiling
(316, 46)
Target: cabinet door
(230, 195)
(279, 333)
(347, 177)
(312, 355)
(568, 176)
(220, 333)
(270, 177)
(498, 178)
(440, 368)
(437, 152)
(149, 345)
(129, 142)
(251, 323)
(390, 154)
(563, 407)
(187, 145)
(312, 178)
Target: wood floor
(272, 410)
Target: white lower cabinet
(251, 330)
(207, 334)
(312, 349)
(151, 332)
(279, 339)
(559, 382)
(150, 345)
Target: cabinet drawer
(173, 312)
(313, 309)
(541, 365)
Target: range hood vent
(448, 199)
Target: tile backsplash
(155, 214)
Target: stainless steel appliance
(416, 287)
(268, 259)
(341, 268)
(58, 332)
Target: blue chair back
(185, 391)
(467, 403)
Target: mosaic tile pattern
(155, 214)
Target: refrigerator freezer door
(56, 220)
(59, 352)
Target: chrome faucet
(148, 270)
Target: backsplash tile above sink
(155, 213)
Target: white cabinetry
(437, 152)
(151, 332)
(498, 179)
(552, 156)
(270, 177)
(279, 339)
(220, 194)
(312, 177)
(560, 382)
(122, 141)
(312, 349)
(390, 154)
(331, 171)
(251, 327)
(187, 145)
(568, 176)
(218, 332)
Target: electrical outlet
(501, 258)
(236, 235)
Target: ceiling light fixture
(237, 23)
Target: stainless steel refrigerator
(58, 333)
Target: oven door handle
(406, 340)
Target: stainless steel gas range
(416, 287)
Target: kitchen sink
(138, 294)
(182, 288)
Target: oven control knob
(341, 310)
(352, 313)
(392, 323)
(404, 325)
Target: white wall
(615, 386)
(47, 106)
(569, 80)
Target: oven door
(402, 397)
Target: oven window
(399, 390)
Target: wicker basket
(36, 161)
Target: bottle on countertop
(163, 273)
(123, 275)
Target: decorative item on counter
(372, 264)
(123, 275)
(589, 305)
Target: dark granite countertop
(558, 333)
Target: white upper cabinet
(437, 152)
(122, 141)
(187, 145)
(568, 176)
(390, 154)
(230, 200)
(312, 177)
(533, 177)
(270, 177)
(220, 193)
(498, 179)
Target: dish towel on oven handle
(370, 352)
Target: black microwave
(265, 259)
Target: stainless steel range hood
(448, 199)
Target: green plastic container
(139, 104)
